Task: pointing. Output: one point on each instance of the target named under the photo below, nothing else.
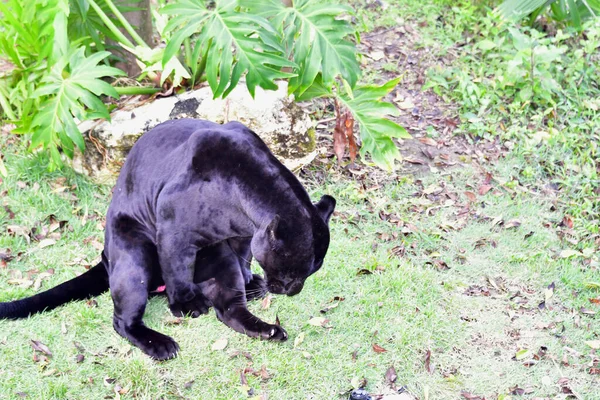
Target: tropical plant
(307, 43)
(568, 12)
(58, 48)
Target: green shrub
(565, 12)
(310, 44)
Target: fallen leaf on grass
(587, 311)
(24, 283)
(358, 383)
(568, 253)
(565, 388)
(46, 243)
(471, 196)
(188, 384)
(483, 189)
(266, 302)
(513, 223)
(299, 339)
(428, 367)
(568, 221)
(38, 280)
(594, 344)
(517, 391)
(219, 345)
(595, 300)
(378, 349)
(440, 265)
(522, 354)
(318, 321)
(11, 214)
(329, 307)
(391, 376)
(470, 396)
(41, 347)
(549, 291)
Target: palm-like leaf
(376, 131)
(236, 43)
(315, 38)
(517, 9)
(73, 82)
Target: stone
(282, 124)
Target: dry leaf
(41, 347)
(219, 345)
(471, 196)
(266, 302)
(299, 339)
(513, 223)
(329, 307)
(378, 349)
(569, 253)
(318, 321)
(428, 366)
(46, 243)
(391, 376)
(483, 189)
(594, 344)
(339, 134)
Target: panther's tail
(91, 283)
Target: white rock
(273, 115)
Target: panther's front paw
(274, 332)
(188, 300)
(198, 306)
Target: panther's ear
(271, 229)
(325, 207)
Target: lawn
(469, 276)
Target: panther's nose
(293, 288)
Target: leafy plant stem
(532, 68)
(133, 90)
(188, 51)
(125, 23)
(110, 25)
(7, 108)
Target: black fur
(194, 202)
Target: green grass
(406, 305)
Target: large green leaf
(237, 43)
(518, 9)
(315, 38)
(376, 131)
(73, 82)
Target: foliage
(55, 78)
(540, 93)
(567, 12)
(74, 81)
(265, 35)
(309, 45)
(257, 49)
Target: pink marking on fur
(160, 289)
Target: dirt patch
(400, 51)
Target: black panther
(193, 203)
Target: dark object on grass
(360, 394)
(194, 202)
